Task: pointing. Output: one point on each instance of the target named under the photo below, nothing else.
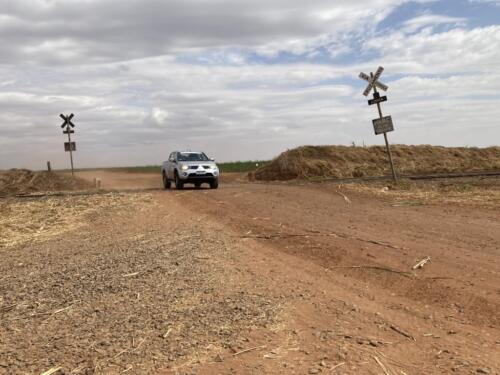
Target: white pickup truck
(189, 167)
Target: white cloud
(52, 32)
(456, 50)
(456, 86)
(158, 116)
(494, 2)
(145, 77)
(417, 23)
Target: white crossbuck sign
(373, 81)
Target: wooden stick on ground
(397, 363)
(421, 263)
(337, 365)
(120, 353)
(381, 365)
(407, 274)
(401, 332)
(249, 350)
(61, 310)
(131, 274)
(138, 346)
(348, 201)
(77, 370)
(167, 333)
(51, 371)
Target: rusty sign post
(69, 146)
(382, 125)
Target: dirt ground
(123, 180)
(252, 278)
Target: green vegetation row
(228, 167)
(241, 166)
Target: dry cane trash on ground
(23, 221)
(421, 263)
(465, 192)
(114, 298)
(24, 181)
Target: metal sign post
(382, 125)
(69, 146)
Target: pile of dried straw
(18, 181)
(344, 162)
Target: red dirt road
(456, 296)
(321, 285)
(451, 307)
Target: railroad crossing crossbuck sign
(67, 121)
(373, 81)
(381, 125)
(69, 146)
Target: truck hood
(189, 163)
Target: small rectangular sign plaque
(383, 125)
(380, 99)
(69, 146)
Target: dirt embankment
(19, 181)
(344, 162)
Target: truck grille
(200, 175)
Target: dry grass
(18, 181)
(466, 192)
(25, 221)
(343, 162)
(188, 285)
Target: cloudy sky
(240, 79)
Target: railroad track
(78, 193)
(313, 180)
(412, 177)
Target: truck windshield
(192, 156)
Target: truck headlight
(184, 167)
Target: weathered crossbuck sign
(382, 125)
(373, 81)
(69, 146)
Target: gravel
(123, 297)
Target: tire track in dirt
(454, 298)
(174, 287)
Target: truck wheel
(214, 184)
(166, 182)
(179, 185)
